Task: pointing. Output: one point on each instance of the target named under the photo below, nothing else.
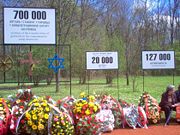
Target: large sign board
(158, 60)
(101, 60)
(29, 26)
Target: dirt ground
(172, 129)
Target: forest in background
(126, 26)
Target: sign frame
(54, 40)
(102, 52)
(160, 67)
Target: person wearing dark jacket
(177, 92)
(168, 100)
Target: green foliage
(154, 85)
(176, 47)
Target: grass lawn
(153, 84)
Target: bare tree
(173, 9)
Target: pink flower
(55, 119)
(62, 121)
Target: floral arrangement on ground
(26, 113)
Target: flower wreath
(4, 116)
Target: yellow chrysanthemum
(44, 104)
(47, 109)
(40, 114)
(45, 101)
(34, 127)
(46, 116)
(29, 123)
(78, 110)
(95, 108)
(40, 108)
(33, 112)
(40, 127)
(91, 98)
(87, 112)
(79, 104)
(40, 120)
(28, 116)
(82, 94)
(36, 104)
(34, 117)
(91, 104)
(84, 101)
(35, 100)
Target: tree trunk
(82, 78)
(36, 81)
(127, 67)
(127, 78)
(49, 80)
(109, 78)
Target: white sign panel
(101, 60)
(158, 60)
(29, 26)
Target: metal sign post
(173, 77)
(143, 80)
(118, 82)
(4, 55)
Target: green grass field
(153, 85)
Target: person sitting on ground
(168, 100)
(177, 92)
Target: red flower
(78, 127)
(22, 121)
(90, 118)
(22, 101)
(59, 102)
(84, 107)
(83, 112)
(65, 105)
(88, 122)
(22, 107)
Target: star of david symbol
(60, 63)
